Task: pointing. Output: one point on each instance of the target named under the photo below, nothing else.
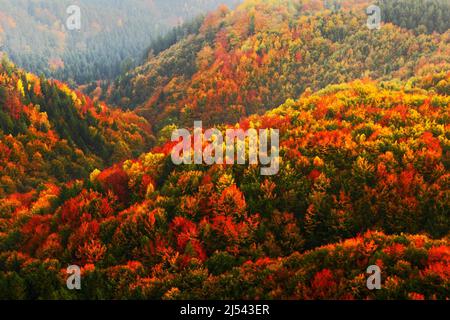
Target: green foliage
(428, 15)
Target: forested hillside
(114, 34)
(248, 60)
(50, 134)
(364, 157)
(362, 166)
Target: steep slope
(50, 134)
(250, 59)
(354, 157)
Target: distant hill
(114, 34)
(248, 60)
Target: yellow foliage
(20, 87)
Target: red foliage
(231, 202)
(395, 250)
(36, 231)
(115, 179)
(323, 285)
(186, 234)
(70, 212)
(314, 174)
(439, 254)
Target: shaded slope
(250, 59)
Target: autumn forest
(87, 177)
